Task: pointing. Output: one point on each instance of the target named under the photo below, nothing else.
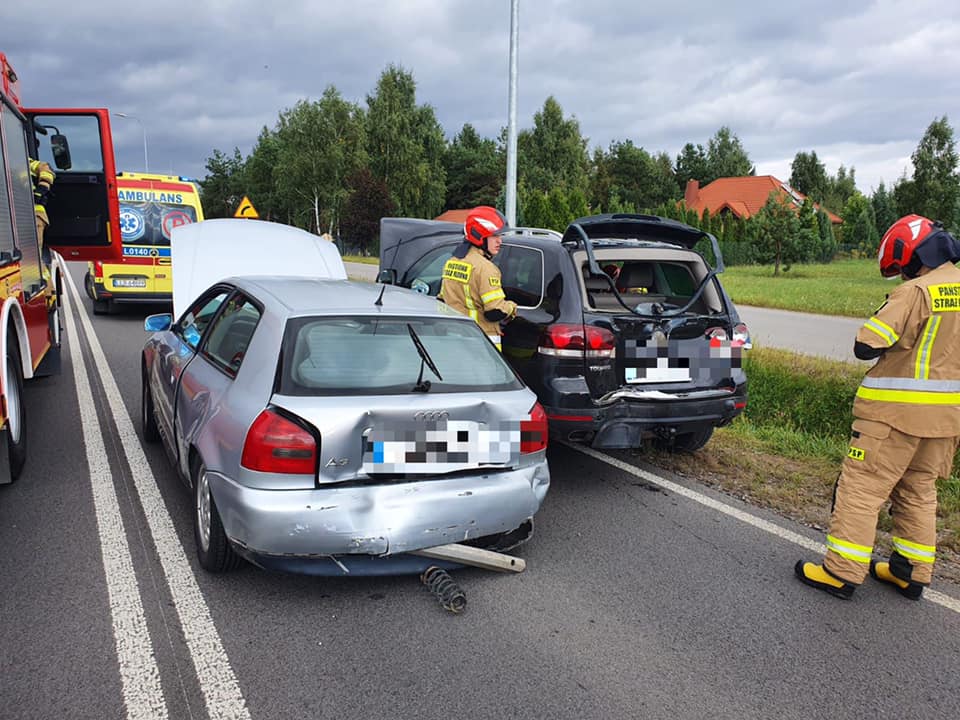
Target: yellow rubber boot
(881, 571)
(816, 576)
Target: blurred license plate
(661, 373)
(129, 282)
(446, 446)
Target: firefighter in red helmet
(906, 419)
(471, 282)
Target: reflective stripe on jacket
(472, 286)
(915, 384)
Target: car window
(522, 275)
(377, 356)
(231, 332)
(426, 274)
(195, 320)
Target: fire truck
(84, 225)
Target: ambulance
(150, 207)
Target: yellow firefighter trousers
(882, 463)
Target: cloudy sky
(856, 81)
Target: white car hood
(204, 253)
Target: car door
(176, 350)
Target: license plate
(449, 446)
(130, 282)
(661, 373)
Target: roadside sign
(246, 209)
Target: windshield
(374, 356)
(150, 223)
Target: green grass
(844, 287)
(363, 259)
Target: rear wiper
(425, 359)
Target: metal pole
(511, 189)
(143, 128)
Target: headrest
(635, 275)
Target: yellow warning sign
(246, 209)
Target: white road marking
(218, 683)
(139, 674)
(939, 598)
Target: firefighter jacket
(472, 286)
(43, 177)
(915, 384)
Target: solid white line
(139, 674)
(218, 683)
(939, 598)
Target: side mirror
(61, 151)
(158, 323)
(387, 276)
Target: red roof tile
(743, 196)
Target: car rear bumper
(295, 526)
(625, 422)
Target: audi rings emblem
(431, 415)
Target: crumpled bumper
(378, 520)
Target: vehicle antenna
(379, 302)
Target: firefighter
(471, 282)
(906, 419)
(43, 177)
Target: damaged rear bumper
(350, 527)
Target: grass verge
(852, 288)
(366, 260)
(785, 452)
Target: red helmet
(482, 222)
(899, 243)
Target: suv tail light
(578, 341)
(533, 432)
(275, 444)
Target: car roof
(207, 252)
(315, 296)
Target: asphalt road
(645, 596)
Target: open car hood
(202, 254)
(403, 241)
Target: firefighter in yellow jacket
(43, 177)
(906, 418)
(471, 282)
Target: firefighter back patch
(945, 298)
(456, 270)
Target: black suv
(623, 329)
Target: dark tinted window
(377, 356)
(522, 275)
(425, 275)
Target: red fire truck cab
(84, 225)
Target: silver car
(334, 427)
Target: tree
(368, 201)
(884, 208)
(808, 234)
(553, 153)
(936, 189)
(828, 240)
(859, 227)
(320, 144)
(261, 177)
(224, 186)
(405, 144)
(777, 229)
(809, 175)
(840, 188)
(474, 170)
(726, 156)
(692, 165)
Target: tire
(148, 421)
(689, 442)
(88, 285)
(16, 412)
(101, 307)
(214, 551)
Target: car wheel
(16, 412)
(148, 421)
(213, 548)
(688, 442)
(101, 307)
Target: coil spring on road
(439, 582)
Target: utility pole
(511, 189)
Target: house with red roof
(742, 196)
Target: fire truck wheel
(16, 413)
(148, 421)
(214, 551)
